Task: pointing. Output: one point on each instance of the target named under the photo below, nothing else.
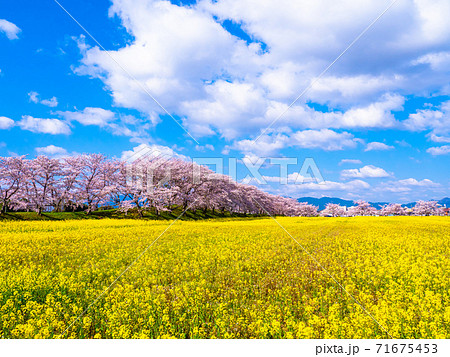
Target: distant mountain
(379, 205)
(323, 201)
(445, 202)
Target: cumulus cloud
(438, 61)
(116, 124)
(44, 126)
(267, 145)
(219, 83)
(368, 171)
(9, 29)
(331, 188)
(34, 98)
(439, 139)
(421, 188)
(375, 115)
(52, 102)
(150, 151)
(51, 150)
(324, 139)
(437, 120)
(90, 116)
(347, 88)
(409, 189)
(439, 150)
(377, 146)
(6, 123)
(414, 182)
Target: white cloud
(52, 102)
(438, 61)
(11, 31)
(350, 161)
(347, 88)
(45, 126)
(150, 151)
(90, 116)
(324, 139)
(266, 145)
(421, 188)
(34, 98)
(437, 120)
(293, 178)
(117, 124)
(330, 187)
(51, 150)
(6, 123)
(439, 139)
(377, 146)
(375, 115)
(368, 171)
(203, 148)
(230, 108)
(414, 182)
(219, 84)
(439, 150)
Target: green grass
(112, 213)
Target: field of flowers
(226, 279)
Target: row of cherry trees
(92, 181)
(362, 208)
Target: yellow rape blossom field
(226, 278)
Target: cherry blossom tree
(427, 208)
(12, 179)
(41, 180)
(393, 209)
(92, 187)
(307, 210)
(334, 210)
(64, 192)
(362, 208)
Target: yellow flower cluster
(226, 278)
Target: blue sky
(377, 124)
